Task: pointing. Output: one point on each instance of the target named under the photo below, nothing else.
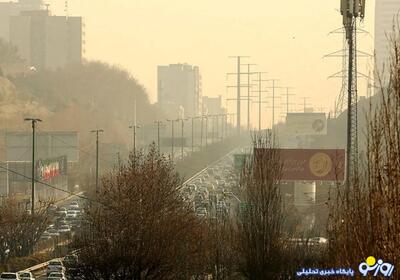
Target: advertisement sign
(306, 124)
(50, 168)
(311, 164)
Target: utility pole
(158, 133)
(273, 100)
(193, 118)
(134, 127)
(305, 103)
(238, 86)
(248, 92)
(172, 137)
(182, 135)
(287, 95)
(33, 121)
(201, 133)
(206, 116)
(97, 131)
(260, 91)
(213, 126)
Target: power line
(43, 183)
(77, 147)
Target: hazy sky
(286, 38)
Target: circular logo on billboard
(318, 125)
(320, 164)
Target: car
(73, 211)
(26, 275)
(319, 240)
(62, 211)
(64, 228)
(71, 216)
(9, 275)
(45, 236)
(55, 266)
(61, 221)
(201, 212)
(74, 204)
(57, 276)
(53, 232)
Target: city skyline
(152, 42)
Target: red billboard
(312, 164)
(50, 168)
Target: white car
(26, 275)
(73, 205)
(53, 232)
(57, 276)
(64, 228)
(9, 275)
(74, 211)
(55, 266)
(62, 211)
(71, 216)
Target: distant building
(179, 89)
(9, 9)
(212, 105)
(46, 41)
(386, 12)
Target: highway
(206, 191)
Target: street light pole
(134, 127)
(213, 129)
(158, 134)
(192, 134)
(172, 138)
(201, 133)
(206, 130)
(182, 136)
(33, 121)
(193, 118)
(97, 131)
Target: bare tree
(19, 230)
(259, 226)
(364, 220)
(140, 227)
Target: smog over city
(199, 139)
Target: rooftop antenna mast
(352, 10)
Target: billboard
(50, 168)
(48, 145)
(311, 164)
(306, 124)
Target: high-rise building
(386, 12)
(179, 89)
(46, 41)
(212, 105)
(9, 9)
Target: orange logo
(320, 164)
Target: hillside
(88, 96)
